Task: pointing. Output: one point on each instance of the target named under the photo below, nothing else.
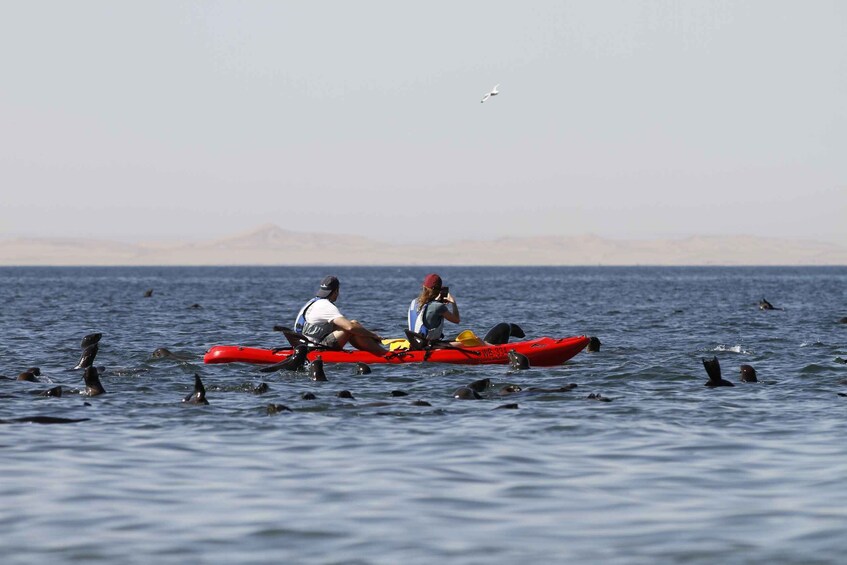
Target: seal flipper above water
(293, 362)
(713, 369)
(199, 394)
(500, 333)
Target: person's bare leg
(368, 344)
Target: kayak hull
(542, 352)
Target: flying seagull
(494, 92)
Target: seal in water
(713, 369)
(512, 406)
(421, 403)
(165, 353)
(396, 393)
(842, 321)
(593, 344)
(362, 369)
(44, 420)
(466, 393)
(260, 388)
(765, 305)
(277, 408)
(88, 355)
(293, 362)
(518, 361)
(480, 386)
(28, 376)
(316, 370)
(199, 394)
(90, 339)
(307, 396)
(345, 394)
(55, 392)
(599, 397)
(93, 387)
(148, 293)
(501, 333)
(748, 374)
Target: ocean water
(669, 471)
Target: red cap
(432, 281)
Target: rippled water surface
(670, 471)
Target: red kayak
(541, 352)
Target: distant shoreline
(270, 245)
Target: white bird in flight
(494, 92)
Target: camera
(444, 291)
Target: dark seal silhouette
(748, 374)
(277, 408)
(88, 355)
(93, 387)
(28, 376)
(480, 386)
(518, 361)
(599, 397)
(397, 393)
(90, 339)
(501, 333)
(199, 394)
(362, 368)
(345, 394)
(316, 370)
(43, 420)
(713, 369)
(165, 353)
(593, 344)
(55, 392)
(512, 406)
(148, 293)
(466, 393)
(765, 305)
(293, 362)
(307, 396)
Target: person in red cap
(320, 321)
(428, 311)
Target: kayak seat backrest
(296, 338)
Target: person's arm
(454, 315)
(355, 328)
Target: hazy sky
(625, 119)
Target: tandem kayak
(541, 352)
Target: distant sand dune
(271, 245)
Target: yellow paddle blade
(469, 339)
(396, 343)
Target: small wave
(731, 349)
